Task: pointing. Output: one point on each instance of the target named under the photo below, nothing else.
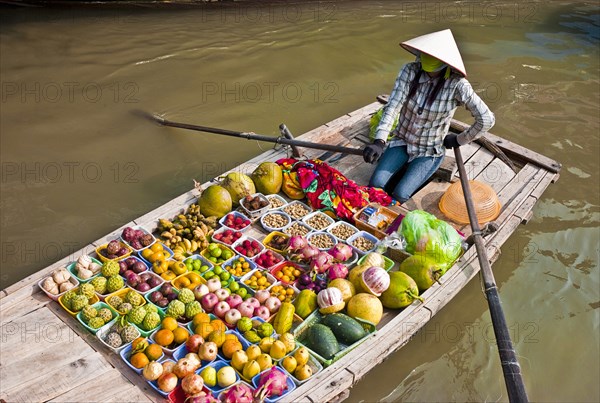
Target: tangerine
(180, 335)
(230, 347)
(139, 360)
(201, 317)
(218, 324)
(169, 323)
(164, 337)
(153, 352)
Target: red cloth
(329, 191)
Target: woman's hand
(451, 141)
(373, 152)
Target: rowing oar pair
(510, 365)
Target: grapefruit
(215, 201)
(424, 271)
(402, 291)
(366, 307)
(346, 287)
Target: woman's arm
(395, 102)
(484, 118)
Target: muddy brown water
(76, 164)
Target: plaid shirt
(424, 134)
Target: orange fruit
(146, 253)
(180, 335)
(156, 247)
(153, 352)
(217, 337)
(169, 323)
(156, 256)
(201, 317)
(139, 344)
(231, 346)
(164, 337)
(139, 360)
(218, 324)
(204, 329)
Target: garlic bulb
(84, 260)
(84, 273)
(94, 267)
(60, 276)
(66, 286)
(48, 284)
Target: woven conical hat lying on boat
(440, 45)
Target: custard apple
(115, 301)
(79, 302)
(110, 268)
(134, 298)
(115, 283)
(96, 323)
(88, 290)
(99, 284)
(105, 314)
(88, 312)
(136, 315)
(186, 296)
(192, 308)
(129, 333)
(175, 308)
(151, 321)
(125, 307)
(114, 340)
(68, 297)
(150, 308)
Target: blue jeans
(418, 171)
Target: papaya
(291, 186)
(305, 303)
(284, 318)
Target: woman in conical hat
(426, 94)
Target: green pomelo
(402, 291)
(423, 271)
(268, 178)
(366, 307)
(215, 201)
(238, 185)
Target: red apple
(209, 301)
(262, 312)
(255, 303)
(232, 316)
(221, 309)
(234, 300)
(246, 309)
(222, 294)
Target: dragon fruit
(238, 393)
(321, 262)
(337, 270)
(271, 383)
(341, 252)
(203, 397)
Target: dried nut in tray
(275, 220)
(275, 202)
(297, 229)
(342, 231)
(321, 241)
(318, 222)
(296, 210)
(363, 244)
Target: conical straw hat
(440, 45)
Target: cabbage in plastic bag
(436, 239)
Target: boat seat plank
(477, 163)
(497, 175)
(107, 385)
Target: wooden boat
(47, 355)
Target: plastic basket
(241, 241)
(313, 363)
(104, 259)
(322, 233)
(203, 262)
(98, 306)
(279, 213)
(236, 214)
(187, 275)
(288, 209)
(246, 341)
(167, 252)
(235, 260)
(333, 230)
(280, 259)
(389, 263)
(380, 233)
(206, 254)
(254, 214)
(222, 230)
(287, 286)
(486, 203)
(270, 237)
(290, 385)
(91, 301)
(297, 228)
(121, 293)
(245, 344)
(314, 318)
(126, 354)
(139, 227)
(366, 235)
(280, 267)
(308, 218)
(55, 297)
(105, 330)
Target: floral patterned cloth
(331, 192)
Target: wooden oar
(250, 136)
(508, 357)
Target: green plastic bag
(375, 119)
(436, 239)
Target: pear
(251, 369)
(278, 350)
(265, 344)
(303, 372)
(209, 374)
(264, 361)
(253, 352)
(290, 364)
(289, 341)
(238, 359)
(301, 356)
(226, 376)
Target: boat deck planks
(82, 372)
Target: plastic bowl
(98, 306)
(242, 240)
(217, 365)
(168, 255)
(234, 260)
(280, 259)
(236, 214)
(333, 228)
(278, 203)
(206, 254)
(389, 263)
(222, 230)
(254, 214)
(366, 235)
(168, 351)
(287, 209)
(105, 259)
(306, 220)
(290, 385)
(187, 275)
(322, 233)
(243, 341)
(92, 301)
(280, 267)
(297, 228)
(313, 363)
(279, 213)
(139, 227)
(55, 297)
(126, 354)
(203, 262)
(261, 320)
(272, 280)
(105, 330)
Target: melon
(215, 201)
(402, 291)
(268, 178)
(366, 307)
(238, 185)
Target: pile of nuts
(363, 244)
(321, 241)
(253, 203)
(297, 229)
(275, 220)
(276, 202)
(296, 210)
(318, 221)
(343, 231)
